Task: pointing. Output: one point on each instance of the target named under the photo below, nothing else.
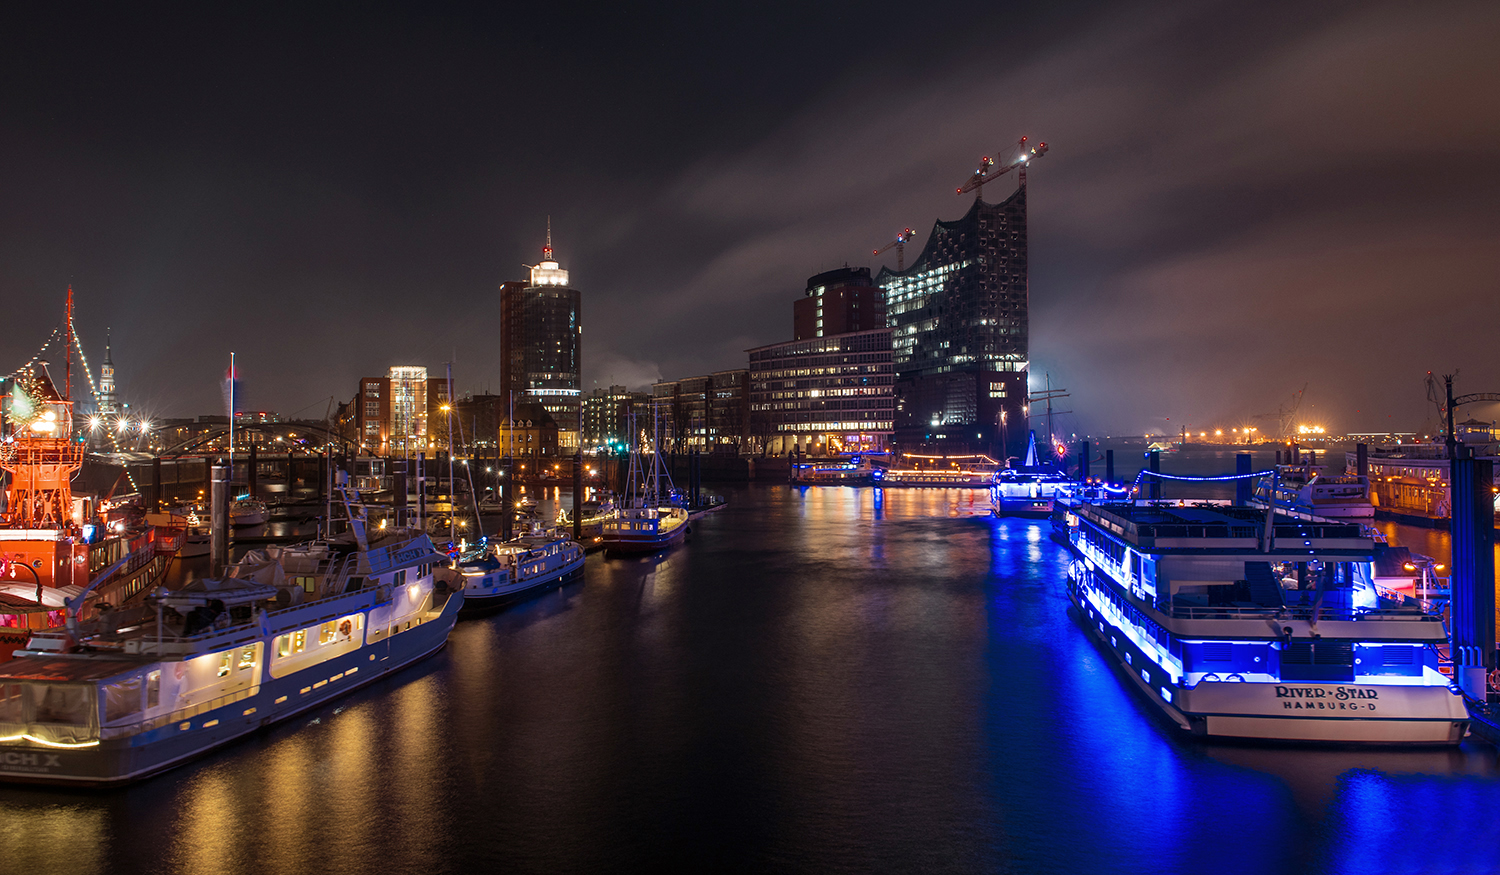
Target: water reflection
(819, 680)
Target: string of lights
(34, 358)
(1184, 477)
(87, 371)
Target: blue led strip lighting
(1144, 472)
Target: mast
(232, 379)
(632, 475)
(451, 522)
(67, 392)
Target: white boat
(1236, 626)
(133, 692)
(1029, 493)
(248, 512)
(1306, 489)
(595, 512)
(834, 471)
(648, 520)
(503, 572)
(644, 529)
(197, 539)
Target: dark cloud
(1238, 200)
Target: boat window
(224, 664)
(328, 632)
(153, 689)
(61, 703)
(122, 699)
(299, 641)
(10, 708)
(283, 645)
(400, 578)
(247, 657)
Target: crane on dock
(899, 244)
(1445, 401)
(1284, 414)
(989, 170)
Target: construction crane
(1446, 401)
(989, 171)
(900, 246)
(1284, 415)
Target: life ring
(346, 628)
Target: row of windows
(762, 376)
(876, 407)
(874, 341)
(870, 425)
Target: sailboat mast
(67, 392)
(632, 474)
(451, 522)
(232, 376)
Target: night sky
(1239, 198)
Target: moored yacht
(248, 512)
(502, 572)
(1029, 493)
(648, 519)
(1306, 489)
(1236, 623)
(127, 693)
(645, 529)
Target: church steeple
(106, 399)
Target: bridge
(291, 434)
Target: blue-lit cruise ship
(1237, 626)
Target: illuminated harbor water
(822, 679)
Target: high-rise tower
(541, 343)
(960, 326)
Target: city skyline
(1235, 204)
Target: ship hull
(1292, 712)
(626, 543)
(480, 602)
(116, 761)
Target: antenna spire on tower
(547, 250)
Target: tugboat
(122, 694)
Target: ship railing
(119, 730)
(337, 571)
(1234, 612)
